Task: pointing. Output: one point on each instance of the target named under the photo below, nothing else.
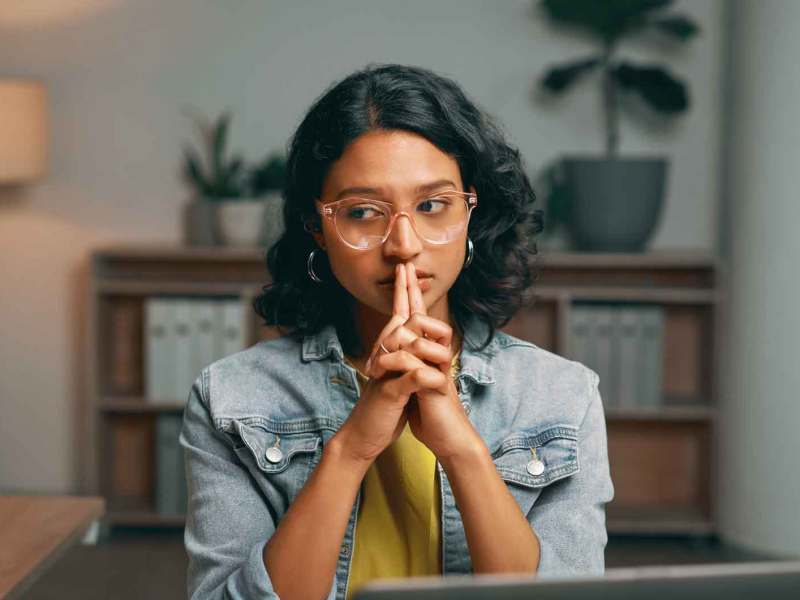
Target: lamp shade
(23, 130)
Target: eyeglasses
(364, 223)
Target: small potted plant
(266, 180)
(240, 194)
(613, 203)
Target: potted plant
(237, 192)
(266, 179)
(613, 203)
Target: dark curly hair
(503, 226)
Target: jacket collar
(475, 364)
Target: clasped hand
(420, 349)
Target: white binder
(579, 346)
(204, 338)
(232, 334)
(604, 354)
(629, 350)
(183, 373)
(652, 356)
(159, 349)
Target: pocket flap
(556, 447)
(273, 452)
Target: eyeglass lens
(438, 219)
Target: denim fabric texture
(526, 403)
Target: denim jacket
(256, 423)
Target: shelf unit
(661, 459)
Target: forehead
(390, 162)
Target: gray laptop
(777, 580)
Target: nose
(403, 240)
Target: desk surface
(35, 531)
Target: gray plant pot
(614, 205)
(199, 223)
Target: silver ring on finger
(384, 348)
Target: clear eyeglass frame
(329, 211)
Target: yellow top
(398, 523)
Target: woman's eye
(362, 212)
(433, 205)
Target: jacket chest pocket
(528, 460)
(280, 462)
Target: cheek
(452, 262)
(350, 271)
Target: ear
(320, 239)
(316, 228)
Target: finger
(429, 327)
(400, 361)
(393, 323)
(428, 350)
(416, 302)
(422, 378)
(399, 338)
(404, 360)
(431, 352)
(400, 291)
(399, 311)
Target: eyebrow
(425, 187)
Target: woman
(392, 430)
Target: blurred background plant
(611, 21)
(220, 177)
(605, 202)
(267, 176)
(235, 202)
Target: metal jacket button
(274, 454)
(535, 467)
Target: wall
(119, 74)
(759, 487)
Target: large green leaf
(558, 79)
(269, 175)
(193, 171)
(655, 85)
(218, 145)
(678, 26)
(609, 19)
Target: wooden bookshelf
(661, 458)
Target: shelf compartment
(138, 404)
(660, 464)
(144, 518)
(662, 413)
(657, 521)
(175, 288)
(537, 324)
(129, 474)
(627, 294)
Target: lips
(421, 274)
(420, 279)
